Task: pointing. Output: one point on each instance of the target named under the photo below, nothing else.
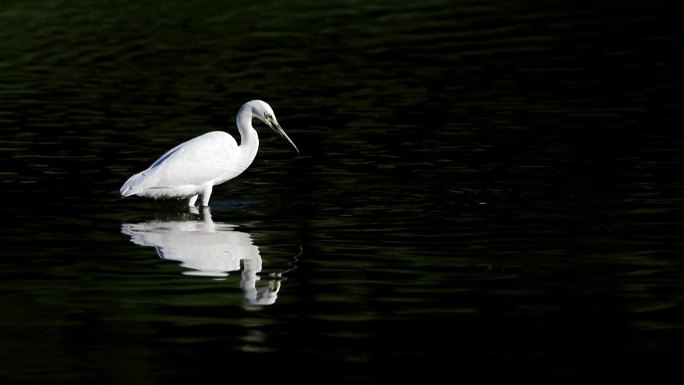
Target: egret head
(264, 112)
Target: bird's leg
(206, 195)
(192, 200)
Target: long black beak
(279, 130)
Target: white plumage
(194, 167)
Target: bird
(194, 167)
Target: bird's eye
(269, 117)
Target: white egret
(193, 168)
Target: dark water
(486, 190)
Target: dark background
(486, 189)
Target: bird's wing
(196, 161)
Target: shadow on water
(212, 249)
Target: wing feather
(194, 162)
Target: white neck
(249, 140)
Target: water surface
(485, 189)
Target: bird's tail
(134, 184)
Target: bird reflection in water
(212, 249)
